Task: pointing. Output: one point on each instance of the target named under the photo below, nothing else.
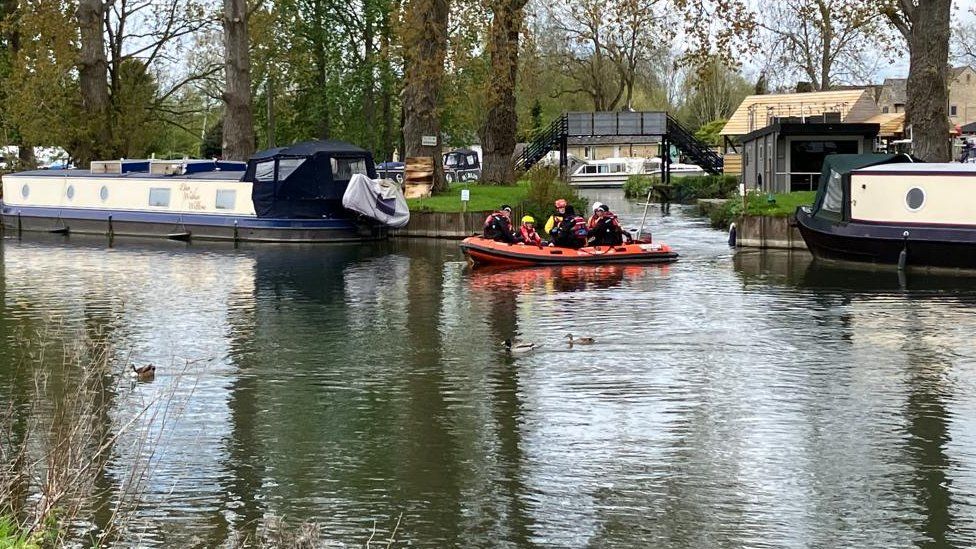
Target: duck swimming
(146, 372)
(580, 341)
(518, 347)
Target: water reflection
(731, 399)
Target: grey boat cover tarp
(379, 199)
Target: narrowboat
(483, 251)
(889, 209)
(286, 194)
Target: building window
(226, 199)
(159, 196)
(587, 153)
(884, 110)
(952, 110)
(899, 107)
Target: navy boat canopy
(306, 179)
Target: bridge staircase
(698, 152)
(551, 139)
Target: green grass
(483, 198)
(783, 206)
(12, 538)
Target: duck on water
(314, 191)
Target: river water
(732, 399)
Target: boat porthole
(915, 199)
(25, 191)
(70, 193)
(103, 194)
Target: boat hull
(950, 247)
(488, 252)
(185, 226)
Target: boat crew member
(606, 231)
(527, 233)
(556, 218)
(571, 231)
(590, 223)
(498, 225)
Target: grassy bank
(534, 194)
(483, 198)
(782, 205)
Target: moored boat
(614, 172)
(885, 209)
(286, 194)
(483, 251)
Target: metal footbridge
(654, 124)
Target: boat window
(103, 193)
(344, 168)
(25, 191)
(264, 171)
(159, 196)
(603, 168)
(589, 169)
(70, 193)
(834, 197)
(287, 166)
(915, 199)
(472, 160)
(226, 199)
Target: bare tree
(501, 121)
(238, 118)
(424, 35)
(827, 41)
(605, 41)
(925, 26)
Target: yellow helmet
(528, 219)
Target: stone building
(962, 95)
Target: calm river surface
(748, 399)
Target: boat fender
(903, 255)
(732, 234)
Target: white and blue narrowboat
(285, 194)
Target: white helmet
(597, 205)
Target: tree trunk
(93, 81)
(501, 121)
(926, 28)
(238, 118)
(424, 47)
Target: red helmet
(560, 203)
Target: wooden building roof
(757, 111)
(892, 124)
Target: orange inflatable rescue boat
(483, 251)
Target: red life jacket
(529, 236)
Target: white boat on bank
(613, 172)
